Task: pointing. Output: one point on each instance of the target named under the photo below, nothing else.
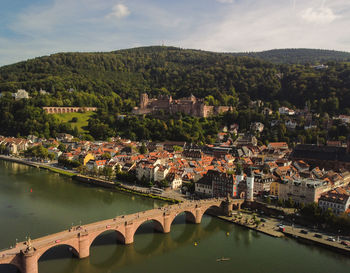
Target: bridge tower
(250, 186)
(228, 205)
(29, 260)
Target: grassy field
(82, 119)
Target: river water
(36, 202)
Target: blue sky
(31, 28)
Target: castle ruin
(189, 106)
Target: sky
(32, 28)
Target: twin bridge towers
(25, 255)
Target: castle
(189, 106)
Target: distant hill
(298, 56)
(160, 70)
(113, 82)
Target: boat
(222, 259)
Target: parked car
(345, 243)
(331, 239)
(57, 241)
(304, 231)
(318, 235)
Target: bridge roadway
(25, 255)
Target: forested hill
(168, 70)
(113, 82)
(299, 56)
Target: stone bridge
(25, 255)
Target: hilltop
(299, 56)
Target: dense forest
(299, 56)
(114, 81)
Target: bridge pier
(84, 246)
(167, 222)
(198, 216)
(129, 233)
(30, 261)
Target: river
(37, 202)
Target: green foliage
(299, 56)
(143, 149)
(68, 163)
(313, 213)
(114, 81)
(37, 151)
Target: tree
(106, 156)
(107, 172)
(164, 183)
(143, 149)
(62, 148)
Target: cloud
(119, 11)
(225, 1)
(51, 26)
(322, 15)
(252, 25)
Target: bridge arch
(120, 235)
(74, 248)
(190, 216)
(158, 224)
(204, 209)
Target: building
(303, 190)
(204, 188)
(189, 106)
(218, 184)
(21, 94)
(262, 182)
(286, 111)
(338, 200)
(257, 127)
(328, 157)
(161, 173)
(175, 180)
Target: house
(344, 118)
(286, 111)
(245, 140)
(278, 145)
(161, 173)
(204, 187)
(174, 179)
(86, 158)
(98, 164)
(290, 124)
(301, 166)
(64, 137)
(21, 94)
(257, 127)
(338, 200)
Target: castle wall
(189, 106)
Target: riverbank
(269, 227)
(306, 236)
(91, 181)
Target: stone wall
(63, 110)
